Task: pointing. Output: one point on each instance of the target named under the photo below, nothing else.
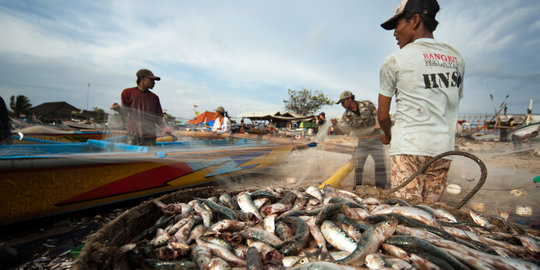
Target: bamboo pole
(338, 177)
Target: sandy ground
(508, 171)
(508, 187)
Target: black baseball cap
(426, 7)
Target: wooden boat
(44, 179)
(530, 128)
(43, 134)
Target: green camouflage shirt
(365, 117)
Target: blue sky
(244, 55)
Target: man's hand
(167, 130)
(115, 107)
(384, 139)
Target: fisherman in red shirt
(142, 110)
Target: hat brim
(391, 23)
(156, 78)
(341, 100)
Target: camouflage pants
(428, 186)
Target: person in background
(359, 120)
(222, 124)
(426, 76)
(5, 125)
(242, 127)
(142, 110)
(320, 120)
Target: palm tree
(20, 105)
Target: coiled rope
(426, 165)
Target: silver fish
(260, 202)
(268, 254)
(422, 263)
(162, 237)
(323, 265)
(477, 263)
(182, 248)
(398, 264)
(182, 234)
(205, 214)
(264, 236)
(289, 261)
(276, 208)
(463, 234)
(395, 251)
(195, 233)
(497, 262)
(315, 231)
(228, 225)
(314, 192)
(253, 260)
(201, 255)
(175, 227)
(217, 263)
(354, 213)
(337, 237)
(269, 223)
(371, 240)
(246, 204)
(223, 253)
(410, 212)
(480, 219)
(226, 200)
(444, 215)
(529, 244)
(374, 261)
(338, 255)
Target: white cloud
(245, 55)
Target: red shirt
(143, 111)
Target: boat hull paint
(34, 188)
(62, 137)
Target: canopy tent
(266, 115)
(275, 117)
(205, 117)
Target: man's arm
(383, 115)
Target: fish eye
(303, 261)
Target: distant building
(54, 111)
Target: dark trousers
(374, 148)
(516, 140)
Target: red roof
(203, 117)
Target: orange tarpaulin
(203, 117)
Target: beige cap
(220, 110)
(147, 73)
(344, 95)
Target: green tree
(305, 101)
(100, 116)
(20, 105)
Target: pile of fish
(312, 228)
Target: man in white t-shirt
(426, 77)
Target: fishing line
(426, 165)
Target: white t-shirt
(426, 77)
(222, 128)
